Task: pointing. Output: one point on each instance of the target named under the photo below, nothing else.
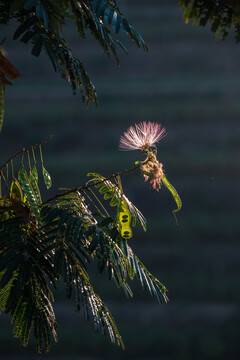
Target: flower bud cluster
(153, 169)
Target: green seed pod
(34, 173)
(35, 187)
(125, 221)
(174, 193)
(47, 178)
(28, 191)
(16, 191)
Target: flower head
(153, 169)
(141, 136)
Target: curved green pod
(174, 193)
(15, 190)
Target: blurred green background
(190, 83)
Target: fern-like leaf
(148, 281)
(220, 16)
(110, 14)
(25, 295)
(113, 192)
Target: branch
(23, 150)
(86, 187)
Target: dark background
(190, 83)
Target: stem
(4, 179)
(92, 202)
(12, 169)
(33, 154)
(40, 150)
(83, 187)
(23, 150)
(7, 172)
(29, 162)
(147, 173)
(95, 196)
(3, 40)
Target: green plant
(222, 15)
(43, 242)
(41, 22)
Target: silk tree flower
(152, 168)
(141, 136)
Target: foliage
(41, 22)
(46, 242)
(221, 14)
(43, 243)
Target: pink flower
(153, 169)
(141, 136)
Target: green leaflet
(28, 191)
(1, 105)
(173, 192)
(37, 48)
(42, 13)
(47, 178)
(114, 201)
(127, 290)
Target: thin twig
(3, 40)
(83, 187)
(23, 150)
(95, 196)
(4, 179)
(92, 202)
(29, 162)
